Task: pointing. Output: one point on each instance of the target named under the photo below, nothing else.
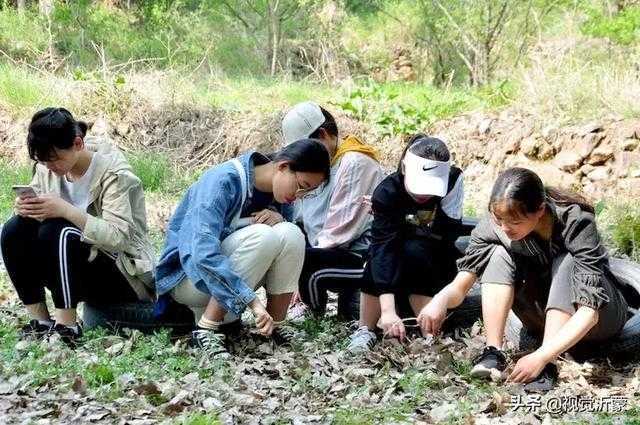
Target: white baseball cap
(426, 176)
(300, 121)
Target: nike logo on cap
(424, 168)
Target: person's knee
(51, 230)
(265, 238)
(290, 236)
(12, 230)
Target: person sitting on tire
(213, 265)
(81, 232)
(538, 252)
(417, 214)
(335, 220)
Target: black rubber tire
(625, 344)
(138, 315)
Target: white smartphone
(24, 191)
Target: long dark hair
(522, 192)
(52, 128)
(425, 147)
(306, 155)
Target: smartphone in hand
(24, 192)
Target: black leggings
(51, 254)
(336, 270)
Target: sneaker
(490, 360)
(210, 341)
(35, 330)
(362, 340)
(232, 329)
(70, 335)
(297, 312)
(546, 381)
(283, 335)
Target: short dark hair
(329, 125)
(306, 155)
(52, 128)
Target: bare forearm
(387, 303)
(455, 292)
(571, 333)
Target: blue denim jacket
(204, 218)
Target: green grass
(11, 174)
(151, 358)
(198, 419)
(159, 175)
(22, 90)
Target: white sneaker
(362, 341)
(297, 312)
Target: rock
(123, 128)
(211, 403)
(598, 174)
(443, 412)
(546, 152)
(629, 144)
(484, 127)
(588, 144)
(592, 127)
(586, 169)
(568, 161)
(600, 155)
(530, 146)
(623, 163)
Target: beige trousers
(262, 255)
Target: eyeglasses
(309, 192)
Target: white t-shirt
(77, 192)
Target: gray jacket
(574, 232)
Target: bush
(622, 27)
(620, 224)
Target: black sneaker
(35, 330)
(546, 381)
(232, 329)
(283, 335)
(491, 359)
(209, 341)
(67, 334)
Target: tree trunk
(21, 5)
(45, 7)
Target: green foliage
(404, 108)
(622, 27)
(199, 419)
(620, 224)
(11, 174)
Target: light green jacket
(117, 219)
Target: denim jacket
(205, 217)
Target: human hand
(392, 325)
(528, 367)
(43, 207)
(264, 321)
(366, 202)
(267, 216)
(432, 316)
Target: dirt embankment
(601, 158)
